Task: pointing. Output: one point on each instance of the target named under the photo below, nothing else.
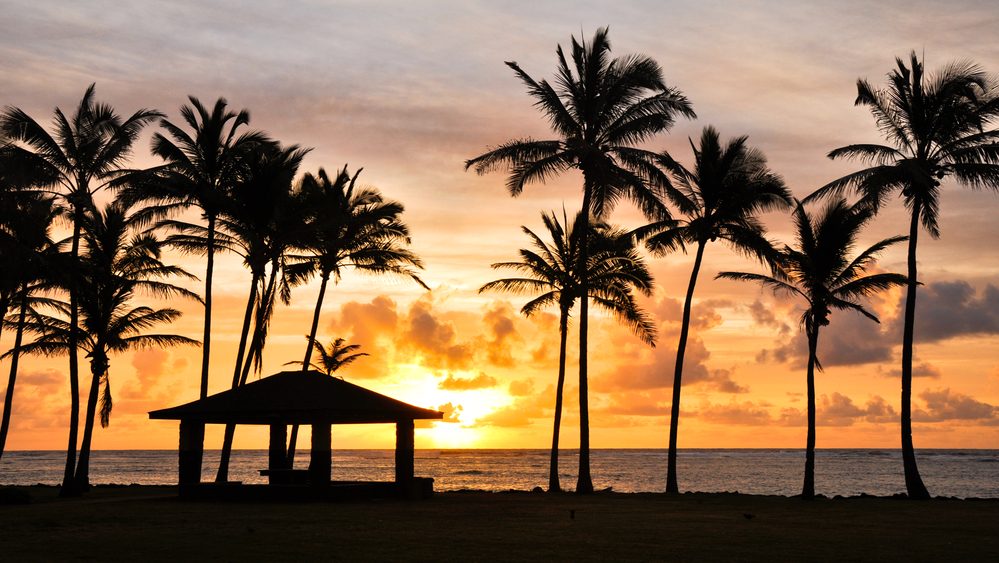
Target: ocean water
(848, 472)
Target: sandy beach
(139, 523)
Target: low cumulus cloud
(474, 383)
(433, 339)
(500, 318)
(371, 326)
(943, 405)
(831, 410)
(658, 373)
(451, 415)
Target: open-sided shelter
(303, 398)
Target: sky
(410, 90)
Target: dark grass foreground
(150, 524)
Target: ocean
(847, 472)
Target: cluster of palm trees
(244, 185)
(602, 109)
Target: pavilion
(303, 398)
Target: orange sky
(408, 91)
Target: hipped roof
(297, 397)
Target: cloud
(765, 317)
(480, 381)
(372, 326)
(735, 414)
(521, 388)
(942, 404)
(658, 373)
(451, 415)
(499, 317)
(850, 339)
(433, 339)
(923, 369)
(151, 365)
(951, 309)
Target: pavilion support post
(276, 455)
(322, 455)
(405, 444)
(190, 454)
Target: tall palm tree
(614, 269)
(349, 227)
(821, 272)
(936, 129)
(332, 358)
(720, 198)
(201, 168)
(26, 221)
(600, 109)
(266, 220)
(85, 153)
(117, 267)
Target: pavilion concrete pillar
(322, 455)
(190, 453)
(405, 445)
(276, 454)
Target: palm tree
(86, 152)
(821, 271)
(338, 355)
(614, 269)
(26, 220)
(719, 198)
(116, 268)
(265, 221)
(599, 108)
(201, 169)
(935, 127)
(349, 227)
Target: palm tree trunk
(293, 439)
(83, 465)
(584, 484)
(674, 415)
(206, 341)
(230, 429)
(260, 320)
(913, 483)
(8, 401)
(808, 489)
(68, 488)
(563, 326)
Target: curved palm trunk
(8, 401)
(553, 485)
(230, 429)
(674, 415)
(83, 464)
(68, 488)
(808, 489)
(293, 439)
(584, 485)
(913, 483)
(206, 341)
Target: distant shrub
(13, 495)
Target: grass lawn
(150, 524)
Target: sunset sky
(410, 90)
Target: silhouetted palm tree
(337, 355)
(614, 269)
(201, 169)
(117, 267)
(86, 152)
(719, 198)
(266, 220)
(599, 108)
(935, 127)
(821, 271)
(26, 220)
(348, 227)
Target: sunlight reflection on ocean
(951, 473)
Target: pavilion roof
(297, 397)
